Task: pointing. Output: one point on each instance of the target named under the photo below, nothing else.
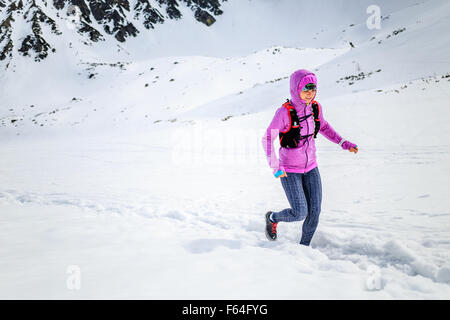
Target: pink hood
(298, 80)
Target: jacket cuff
(276, 169)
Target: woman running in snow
(295, 125)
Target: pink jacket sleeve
(327, 130)
(279, 123)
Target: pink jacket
(303, 158)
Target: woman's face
(307, 95)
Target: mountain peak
(93, 19)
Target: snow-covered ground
(148, 180)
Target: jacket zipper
(307, 139)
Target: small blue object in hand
(278, 173)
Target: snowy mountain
(93, 19)
(131, 149)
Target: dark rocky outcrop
(204, 17)
(113, 12)
(150, 14)
(35, 41)
(116, 18)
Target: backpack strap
(291, 112)
(316, 113)
(293, 115)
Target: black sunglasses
(309, 86)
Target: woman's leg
(293, 188)
(313, 192)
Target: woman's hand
(355, 149)
(280, 174)
(347, 145)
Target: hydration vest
(292, 137)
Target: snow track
(399, 235)
(148, 175)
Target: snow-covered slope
(35, 28)
(143, 167)
(406, 48)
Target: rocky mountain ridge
(22, 22)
